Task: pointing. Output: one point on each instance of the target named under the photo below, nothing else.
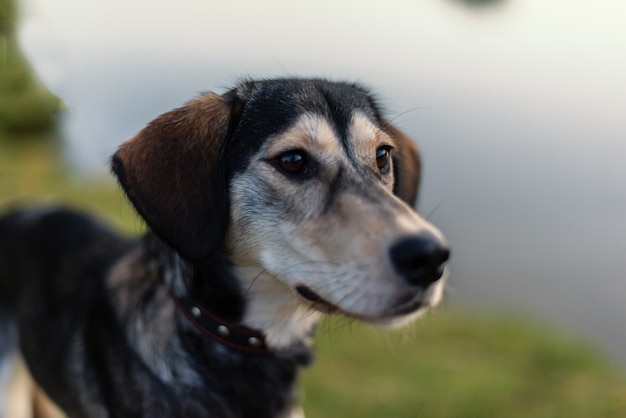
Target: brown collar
(237, 337)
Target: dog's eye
(293, 162)
(383, 158)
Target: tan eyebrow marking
(365, 138)
(312, 133)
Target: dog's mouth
(322, 305)
(316, 300)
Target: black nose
(419, 258)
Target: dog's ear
(407, 166)
(173, 174)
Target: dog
(267, 207)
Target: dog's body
(269, 205)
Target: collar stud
(223, 330)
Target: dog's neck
(174, 349)
(243, 295)
(273, 308)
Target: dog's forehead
(305, 94)
(271, 107)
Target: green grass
(30, 174)
(460, 364)
(453, 363)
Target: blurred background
(518, 106)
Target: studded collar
(231, 335)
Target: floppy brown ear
(407, 166)
(172, 173)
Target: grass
(454, 363)
(460, 364)
(30, 173)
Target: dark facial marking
(272, 106)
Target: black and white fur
(270, 205)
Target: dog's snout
(419, 259)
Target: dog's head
(303, 179)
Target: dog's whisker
(413, 109)
(433, 210)
(254, 281)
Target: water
(518, 110)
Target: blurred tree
(479, 3)
(27, 108)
